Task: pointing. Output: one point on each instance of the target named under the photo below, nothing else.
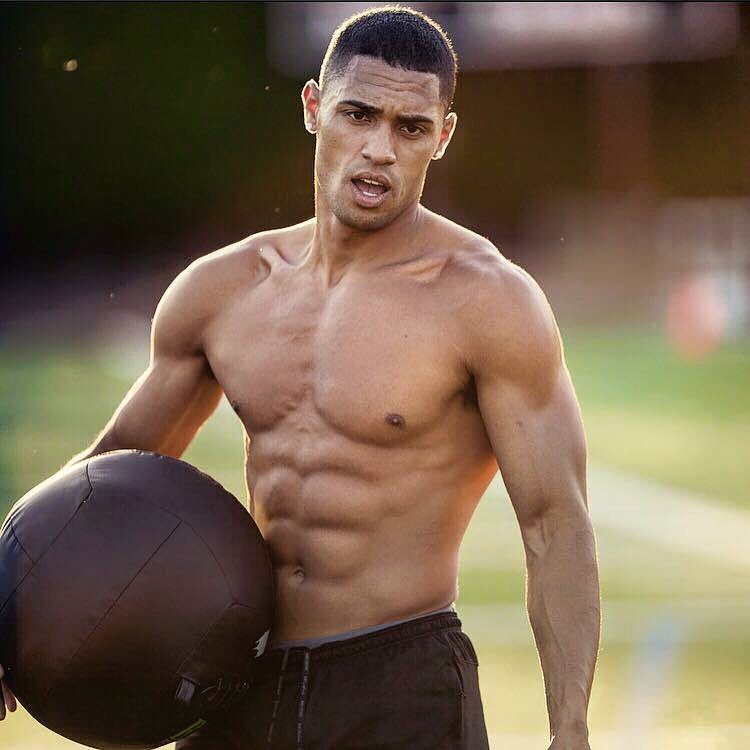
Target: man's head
(381, 113)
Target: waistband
(388, 635)
(322, 640)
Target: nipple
(395, 420)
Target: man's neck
(336, 247)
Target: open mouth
(369, 192)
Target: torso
(366, 452)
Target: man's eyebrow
(366, 108)
(416, 119)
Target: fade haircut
(401, 37)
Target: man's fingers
(9, 698)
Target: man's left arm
(533, 421)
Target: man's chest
(374, 364)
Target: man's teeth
(371, 188)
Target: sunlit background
(604, 146)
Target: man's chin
(365, 220)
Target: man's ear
(449, 128)
(311, 105)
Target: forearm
(111, 439)
(162, 411)
(562, 598)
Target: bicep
(178, 392)
(166, 406)
(538, 441)
(526, 398)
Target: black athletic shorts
(411, 686)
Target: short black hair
(399, 36)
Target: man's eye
(413, 129)
(357, 116)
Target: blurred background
(603, 146)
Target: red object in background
(696, 316)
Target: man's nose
(378, 148)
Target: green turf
(702, 686)
(646, 411)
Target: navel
(395, 420)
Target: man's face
(378, 127)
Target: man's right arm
(177, 392)
(174, 396)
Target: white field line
(687, 621)
(694, 525)
(674, 518)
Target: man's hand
(7, 699)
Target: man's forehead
(375, 82)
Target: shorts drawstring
(302, 698)
(277, 697)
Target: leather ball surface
(134, 594)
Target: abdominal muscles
(369, 537)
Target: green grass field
(674, 666)
(647, 411)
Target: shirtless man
(383, 361)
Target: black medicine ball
(135, 594)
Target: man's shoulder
(213, 280)
(486, 280)
(249, 260)
(214, 277)
(501, 311)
